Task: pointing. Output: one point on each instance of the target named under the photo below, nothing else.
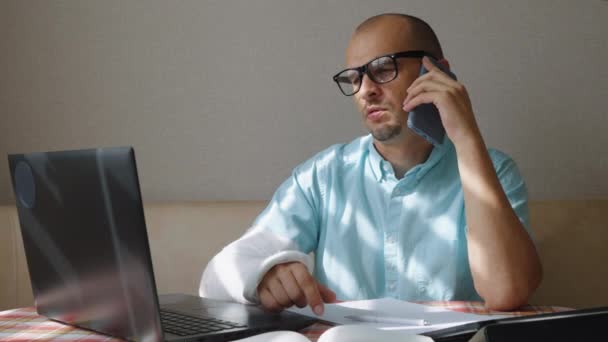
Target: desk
(25, 324)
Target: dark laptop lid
(571, 325)
(85, 240)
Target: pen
(387, 319)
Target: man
(389, 214)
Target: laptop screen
(85, 240)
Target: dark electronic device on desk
(575, 325)
(87, 251)
(425, 119)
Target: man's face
(381, 104)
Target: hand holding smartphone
(425, 119)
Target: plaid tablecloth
(25, 324)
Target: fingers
(429, 85)
(279, 289)
(434, 73)
(309, 286)
(292, 288)
(268, 301)
(278, 292)
(292, 283)
(271, 291)
(425, 97)
(434, 87)
(430, 66)
(328, 295)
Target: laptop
(587, 324)
(87, 251)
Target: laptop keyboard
(183, 325)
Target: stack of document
(394, 314)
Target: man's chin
(386, 134)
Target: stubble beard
(386, 133)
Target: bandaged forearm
(235, 272)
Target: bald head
(414, 31)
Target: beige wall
(572, 248)
(221, 99)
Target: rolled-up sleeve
(513, 185)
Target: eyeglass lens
(380, 70)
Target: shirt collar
(380, 166)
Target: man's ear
(445, 63)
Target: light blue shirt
(378, 236)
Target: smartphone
(425, 119)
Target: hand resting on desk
(290, 283)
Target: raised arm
(504, 263)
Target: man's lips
(375, 113)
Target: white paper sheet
(438, 317)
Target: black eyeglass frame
(364, 69)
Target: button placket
(422, 285)
(391, 286)
(391, 246)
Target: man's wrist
(469, 144)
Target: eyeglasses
(382, 69)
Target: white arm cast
(235, 272)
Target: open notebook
(393, 310)
(447, 325)
(435, 317)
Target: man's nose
(369, 88)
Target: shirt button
(422, 286)
(390, 238)
(392, 285)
